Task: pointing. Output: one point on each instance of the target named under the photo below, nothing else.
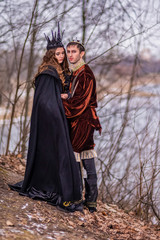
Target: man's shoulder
(88, 71)
(85, 70)
(87, 67)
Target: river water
(144, 115)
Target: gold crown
(77, 41)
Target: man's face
(74, 54)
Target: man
(81, 114)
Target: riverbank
(24, 218)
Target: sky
(112, 26)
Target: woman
(51, 171)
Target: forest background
(122, 48)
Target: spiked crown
(56, 40)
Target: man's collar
(77, 65)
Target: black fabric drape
(51, 170)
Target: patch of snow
(29, 216)
(60, 233)
(2, 232)
(24, 206)
(15, 230)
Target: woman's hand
(64, 95)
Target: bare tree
(114, 33)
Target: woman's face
(60, 54)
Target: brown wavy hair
(49, 59)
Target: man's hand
(64, 95)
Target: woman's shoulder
(48, 73)
(50, 70)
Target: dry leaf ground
(24, 218)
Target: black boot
(66, 207)
(91, 193)
(79, 205)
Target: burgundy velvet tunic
(80, 110)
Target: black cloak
(51, 171)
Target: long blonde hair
(49, 59)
